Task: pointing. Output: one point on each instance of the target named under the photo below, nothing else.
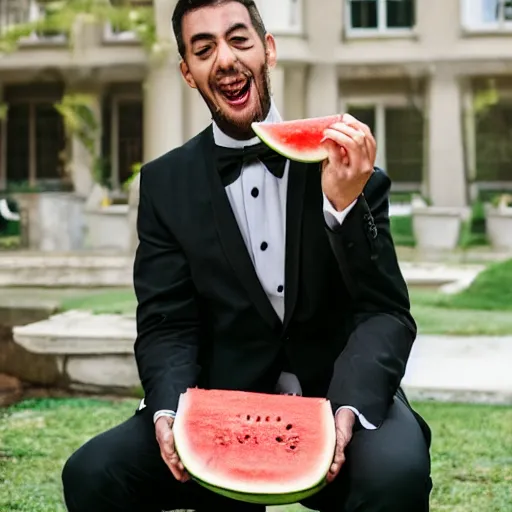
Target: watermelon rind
(280, 494)
(307, 157)
(264, 499)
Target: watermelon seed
(267, 418)
(289, 426)
(258, 418)
(278, 418)
(279, 439)
(292, 447)
(248, 417)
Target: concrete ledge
(65, 270)
(457, 396)
(94, 352)
(78, 333)
(94, 270)
(97, 351)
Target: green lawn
(435, 313)
(472, 463)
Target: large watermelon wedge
(253, 447)
(299, 140)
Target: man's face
(228, 63)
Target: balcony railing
(282, 17)
(20, 12)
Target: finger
(358, 135)
(172, 464)
(353, 149)
(370, 139)
(335, 152)
(337, 463)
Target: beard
(239, 126)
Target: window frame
(126, 36)
(33, 179)
(115, 100)
(380, 103)
(36, 12)
(471, 24)
(382, 29)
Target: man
(260, 274)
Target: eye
(202, 52)
(239, 39)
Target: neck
(232, 137)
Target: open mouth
(236, 93)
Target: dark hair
(185, 6)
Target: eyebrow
(208, 36)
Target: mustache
(232, 72)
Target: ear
(187, 75)
(271, 50)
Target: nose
(225, 56)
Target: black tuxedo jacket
(203, 318)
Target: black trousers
(386, 470)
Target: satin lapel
(294, 212)
(232, 240)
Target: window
(282, 16)
(116, 32)
(493, 143)
(123, 136)
(34, 144)
(370, 16)
(13, 12)
(399, 132)
(487, 14)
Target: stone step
(96, 351)
(93, 270)
(65, 270)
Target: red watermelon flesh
(254, 447)
(299, 140)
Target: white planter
(108, 228)
(499, 227)
(52, 221)
(437, 228)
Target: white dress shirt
(258, 201)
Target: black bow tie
(230, 161)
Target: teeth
(233, 88)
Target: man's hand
(344, 422)
(165, 438)
(351, 157)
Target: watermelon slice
(299, 140)
(253, 447)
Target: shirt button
(264, 246)
(255, 192)
(280, 288)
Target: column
(163, 91)
(163, 110)
(446, 178)
(197, 115)
(295, 87)
(322, 96)
(277, 81)
(82, 161)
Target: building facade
(432, 78)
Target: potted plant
(498, 215)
